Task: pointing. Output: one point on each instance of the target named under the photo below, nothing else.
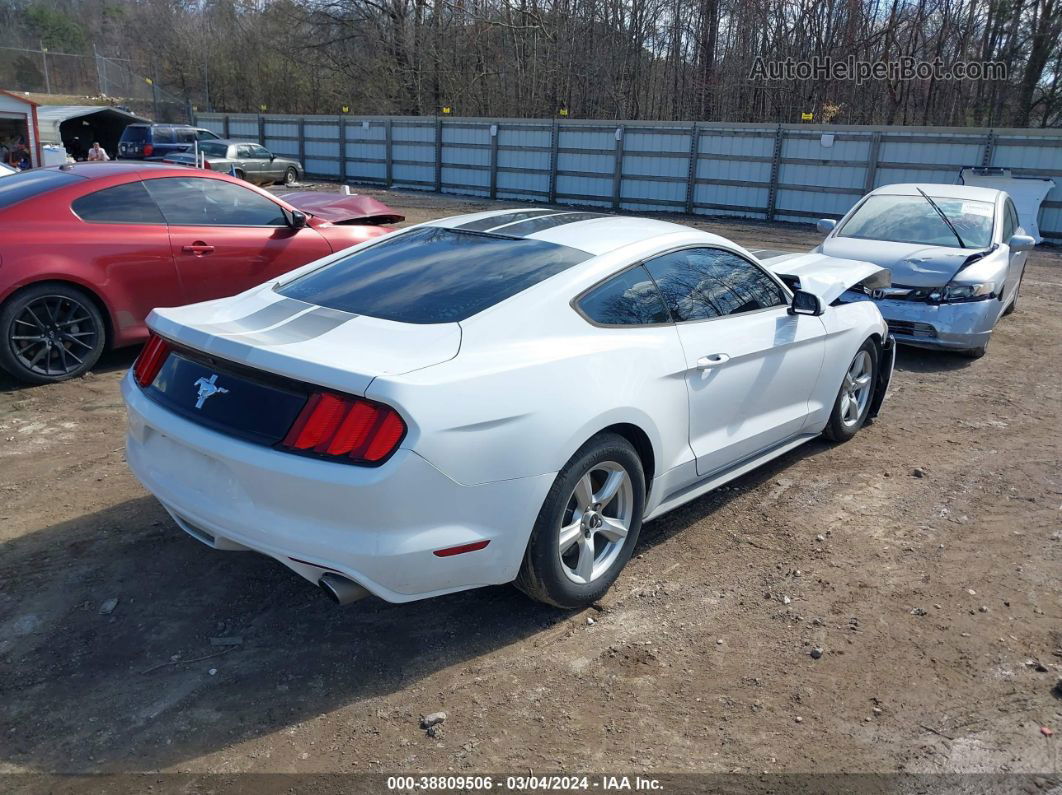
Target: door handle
(712, 360)
(198, 249)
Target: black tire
(975, 353)
(1013, 306)
(543, 575)
(291, 176)
(68, 324)
(838, 429)
(238, 173)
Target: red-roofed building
(18, 124)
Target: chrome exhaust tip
(341, 590)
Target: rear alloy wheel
(50, 333)
(853, 400)
(588, 525)
(291, 176)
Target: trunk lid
(304, 342)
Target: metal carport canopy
(51, 117)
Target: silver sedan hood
(911, 264)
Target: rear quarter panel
(127, 267)
(520, 399)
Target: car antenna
(943, 217)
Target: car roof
(593, 232)
(939, 191)
(163, 124)
(114, 168)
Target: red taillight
(346, 427)
(150, 360)
(148, 150)
(206, 165)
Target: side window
(1012, 211)
(1008, 221)
(630, 299)
(184, 136)
(206, 135)
(702, 283)
(122, 204)
(260, 152)
(243, 152)
(162, 135)
(189, 201)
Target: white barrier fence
(775, 172)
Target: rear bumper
(377, 526)
(942, 326)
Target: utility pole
(44, 59)
(206, 84)
(99, 71)
(155, 87)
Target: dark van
(155, 141)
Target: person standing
(97, 153)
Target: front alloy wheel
(857, 389)
(852, 405)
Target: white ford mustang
(496, 397)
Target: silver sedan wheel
(595, 522)
(856, 389)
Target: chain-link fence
(79, 79)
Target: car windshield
(27, 184)
(432, 275)
(912, 219)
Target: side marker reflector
(460, 550)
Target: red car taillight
(206, 165)
(150, 360)
(346, 427)
(148, 150)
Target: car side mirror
(297, 219)
(805, 303)
(1021, 243)
(825, 225)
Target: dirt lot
(924, 558)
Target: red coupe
(87, 250)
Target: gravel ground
(923, 559)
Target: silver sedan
(956, 253)
(244, 159)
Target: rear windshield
(213, 148)
(432, 275)
(135, 133)
(27, 184)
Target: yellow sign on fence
(447, 110)
(807, 116)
